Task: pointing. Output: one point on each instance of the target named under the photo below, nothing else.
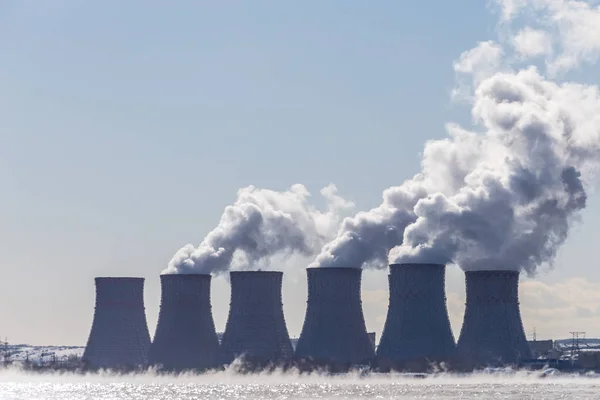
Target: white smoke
(515, 206)
(261, 224)
(503, 195)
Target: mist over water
(17, 385)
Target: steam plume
(260, 224)
(504, 195)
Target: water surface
(227, 385)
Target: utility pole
(575, 344)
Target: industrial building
(256, 328)
(542, 349)
(334, 335)
(492, 332)
(185, 337)
(119, 337)
(417, 331)
(416, 335)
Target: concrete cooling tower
(185, 337)
(417, 330)
(492, 332)
(334, 335)
(119, 338)
(256, 326)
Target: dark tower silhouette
(256, 326)
(492, 332)
(185, 337)
(119, 337)
(334, 335)
(417, 329)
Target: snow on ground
(21, 352)
(589, 343)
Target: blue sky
(127, 127)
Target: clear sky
(127, 127)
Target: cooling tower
(492, 332)
(417, 330)
(256, 326)
(119, 338)
(334, 335)
(185, 337)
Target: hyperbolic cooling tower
(256, 326)
(185, 336)
(119, 337)
(334, 333)
(417, 329)
(492, 331)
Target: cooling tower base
(256, 364)
(245, 365)
(417, 365)
(330, 366)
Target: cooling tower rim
(118, 278)
(320, 273)
(185, 277)
(186, 272)
(255, 273)
(334, 269)
(492, 272)
(397, 266)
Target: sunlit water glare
(226, 385)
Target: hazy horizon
(129, 127)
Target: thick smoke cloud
(260, 224)
(366, 238)
(515, 207)
(504, 195)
